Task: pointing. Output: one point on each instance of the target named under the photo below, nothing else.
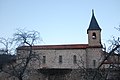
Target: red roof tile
(69, 46)
(72, 46)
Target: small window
(94, 35)
(74, 59)
(44, 59)
(60, 59)
(94, 63)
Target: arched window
(74, 59)
(94, 63)
(94, 35)
(44, 59)
(60, 59)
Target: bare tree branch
(21, 38)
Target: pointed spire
(92, 11)
(93, 23)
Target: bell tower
(94, 32)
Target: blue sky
(59, 21)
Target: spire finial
(92, 11)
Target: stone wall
(94, 57)
(52, 58)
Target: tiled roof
(69, 46)
(72, 46)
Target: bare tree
(6, 45)
(112, 58)
(22, 38)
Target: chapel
(54, 58)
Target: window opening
(44, 59)
(94, 63)
(60, 59)
(74, 59)
(94, 35)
